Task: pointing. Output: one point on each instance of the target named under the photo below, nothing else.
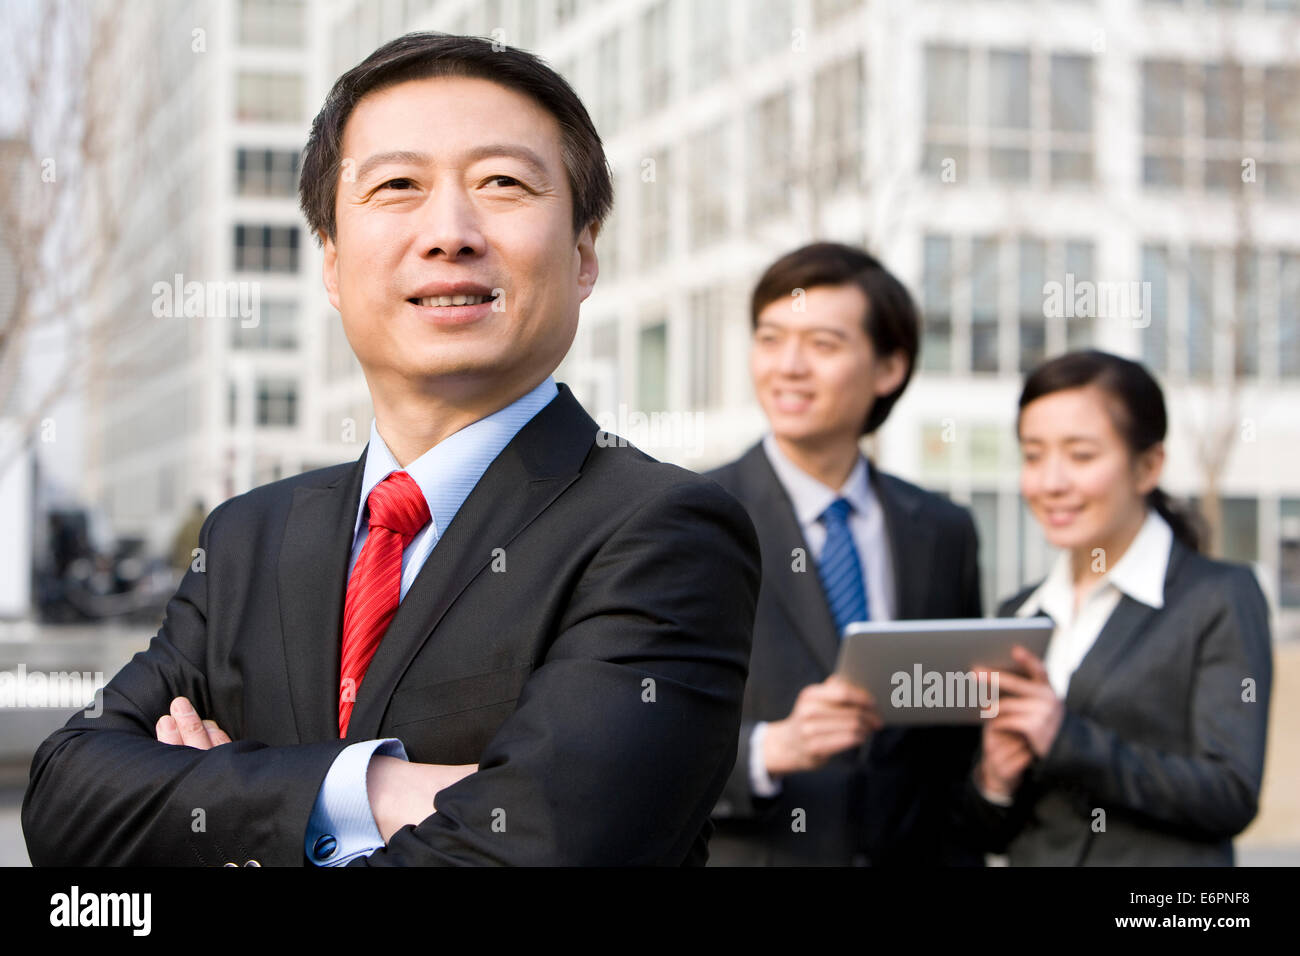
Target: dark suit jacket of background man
(1156, 733)
(888, 802)
(597, 679)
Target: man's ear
(588, 266)
(330, 270)
(891, 369)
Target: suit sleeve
(105, 791)
(1212, 789)
(623, 737)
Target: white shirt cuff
(760, 782)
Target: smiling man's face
(453, 187)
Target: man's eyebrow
(486, 151)
(513, 150)
(406, 156)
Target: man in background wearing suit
(816, 780)
(495, 604)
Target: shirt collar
(809, 496)
(448, 471)
(1139, 573)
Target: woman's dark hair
(420, 56)
(1137, 408)
(891, 319)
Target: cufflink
(324, 847)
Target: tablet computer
(924, 672)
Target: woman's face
(1077, 475)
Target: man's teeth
(441, 300)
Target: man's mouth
(442, 301)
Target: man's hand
(827, 718)
(183, 727)
(401, 792)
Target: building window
(1249, 295)
(1288, 315)
(1289, 553)
(656, 58)
(266, 172)
(1032, 323)
(936, 325)
(708, 321)
(770, 27)
(1155, 337)
(271, 23)
(709, 173)
(1054, 308)
(277, 402)
(606, 100)
(1215, 126)
(710, 56)
(655, 209)
(771, 172)
(269, 98)
(276, 328)
(266, 248)
(837, 125)
(1007, 135)
(605, 364)
(652, 367)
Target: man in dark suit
(835, 340)
(497, 604)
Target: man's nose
(449, 224)
(792, 360)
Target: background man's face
(815, 371)
(456, 187)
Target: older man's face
(455, 266)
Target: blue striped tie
(840, 569)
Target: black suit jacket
(1156, 733)
(596, 679)
(888, 802)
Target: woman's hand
(1004, 757)
(1027, 705)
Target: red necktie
(397, 513)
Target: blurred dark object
(82, 584)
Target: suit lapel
(311, 581)
(538, 464)
(910, 545)
(798, 592)
(1122, 629)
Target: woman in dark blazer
(1139, 738)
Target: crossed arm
(584, 771)
(400, 792)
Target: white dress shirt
(1139, 573)
(866, 526)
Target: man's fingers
(837, 690)
(167, 731)
(193, 733)
(215, 734)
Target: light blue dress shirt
(342, 826)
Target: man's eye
(392, 183)
(504, 180)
